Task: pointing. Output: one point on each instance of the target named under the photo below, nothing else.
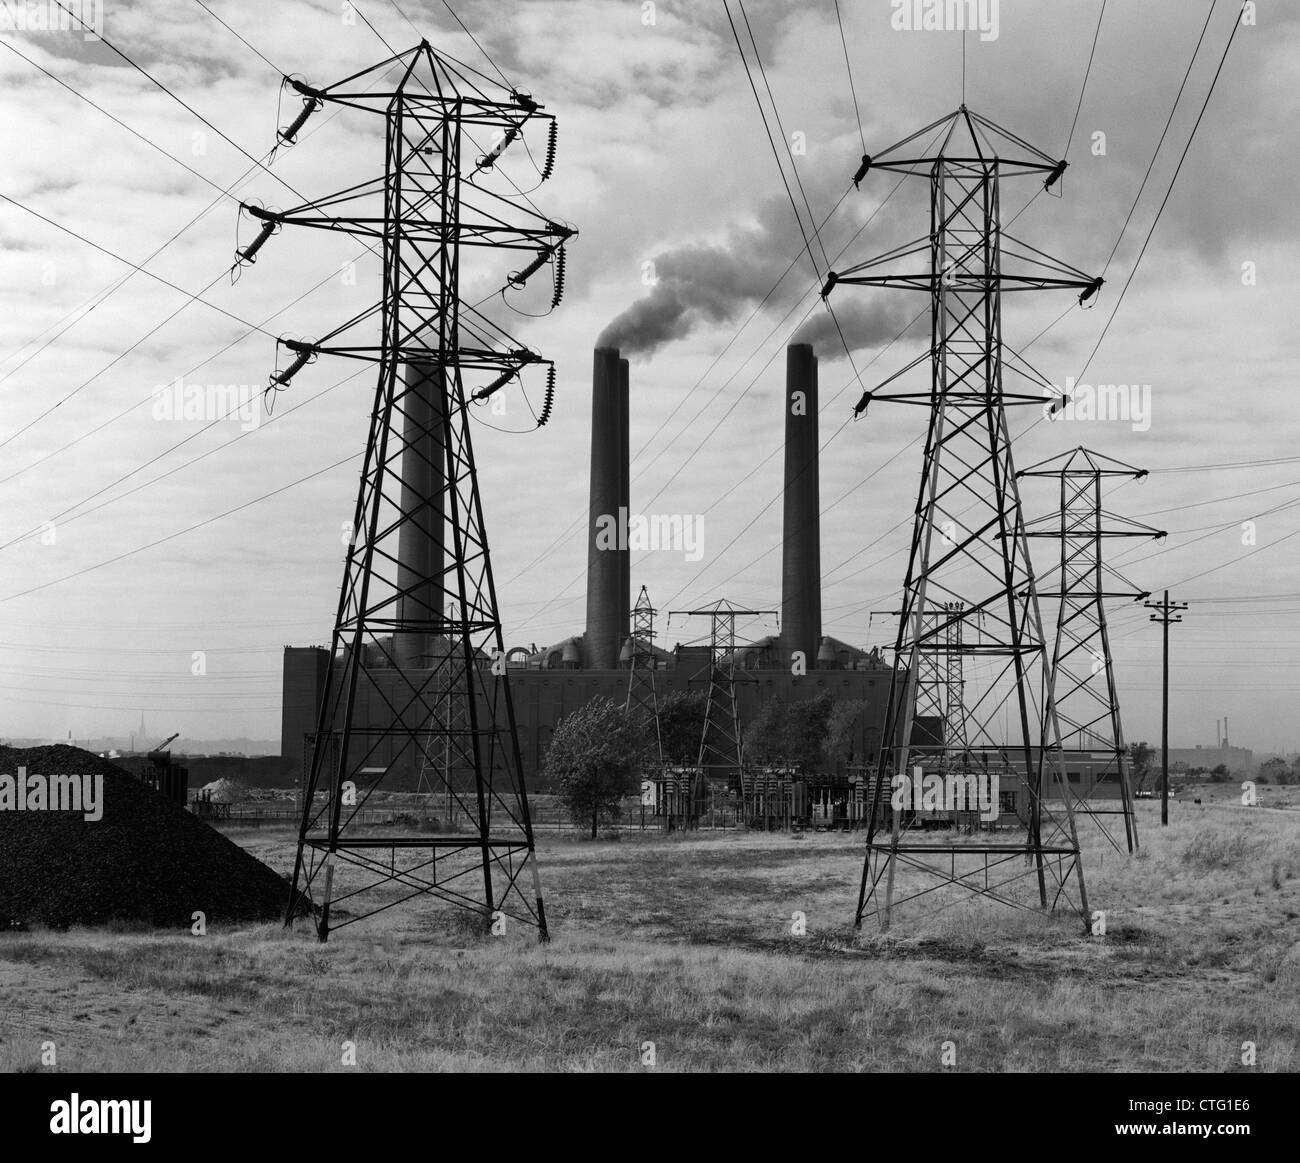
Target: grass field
(687, 943)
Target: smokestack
(420, 556)
(624, 502)
(801, 568)
(607, 571)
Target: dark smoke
(867, 320)
(711, 283)
(715, 283)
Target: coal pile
(146, 860)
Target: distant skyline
(662, 160)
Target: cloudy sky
(663, 159)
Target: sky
(157, 565)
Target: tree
(594, 758)
(681, 725)
(1273, 770)
(791, 734)
(1141, 756)
(841, 729)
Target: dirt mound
(225, 791)
(146, 859)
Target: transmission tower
(440, 774)
(642, 692)
(939, 684)
(940, 706)
(400, 659)
(1082, 674)
(721, 745)
(969, 567)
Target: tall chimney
(420, 554)
(607, 571)
(624, 502)
(801, 569)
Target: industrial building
(553, 681)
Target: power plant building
(550, 682)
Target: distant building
(1238, 760)
(547, 685)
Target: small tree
(1273, 770)
(593, 759)
(765, 734)
(841, 729)
(681, 724)
(791, 733)
(1141, 756)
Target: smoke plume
(715, 283)
(866, 318)
(711, 283)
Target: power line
(848, 68)
(1267, 460)
(192, 297)
(180, 101)
(487, 56)
(1173, 109)
(146, 399)
(1165, 201)
(767, 129)
(1086, 74)
(60, 517)
(270, 64)
(181, 532)
(794, 168)
(114, 287)
(116, 120)
(101, 297)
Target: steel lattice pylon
(939, 685)
(418, 675)
(722, 753)
(969, 568)
(1082, 675)
(642, 692)
(438, 772)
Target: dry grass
(686, 942)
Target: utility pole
(1166, 615)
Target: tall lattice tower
(721, 756)
(969, 566)
(939, 696)
(1082, 673)
(642, 691)
(439, 776)
(417, 631)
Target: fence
(546, 816)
